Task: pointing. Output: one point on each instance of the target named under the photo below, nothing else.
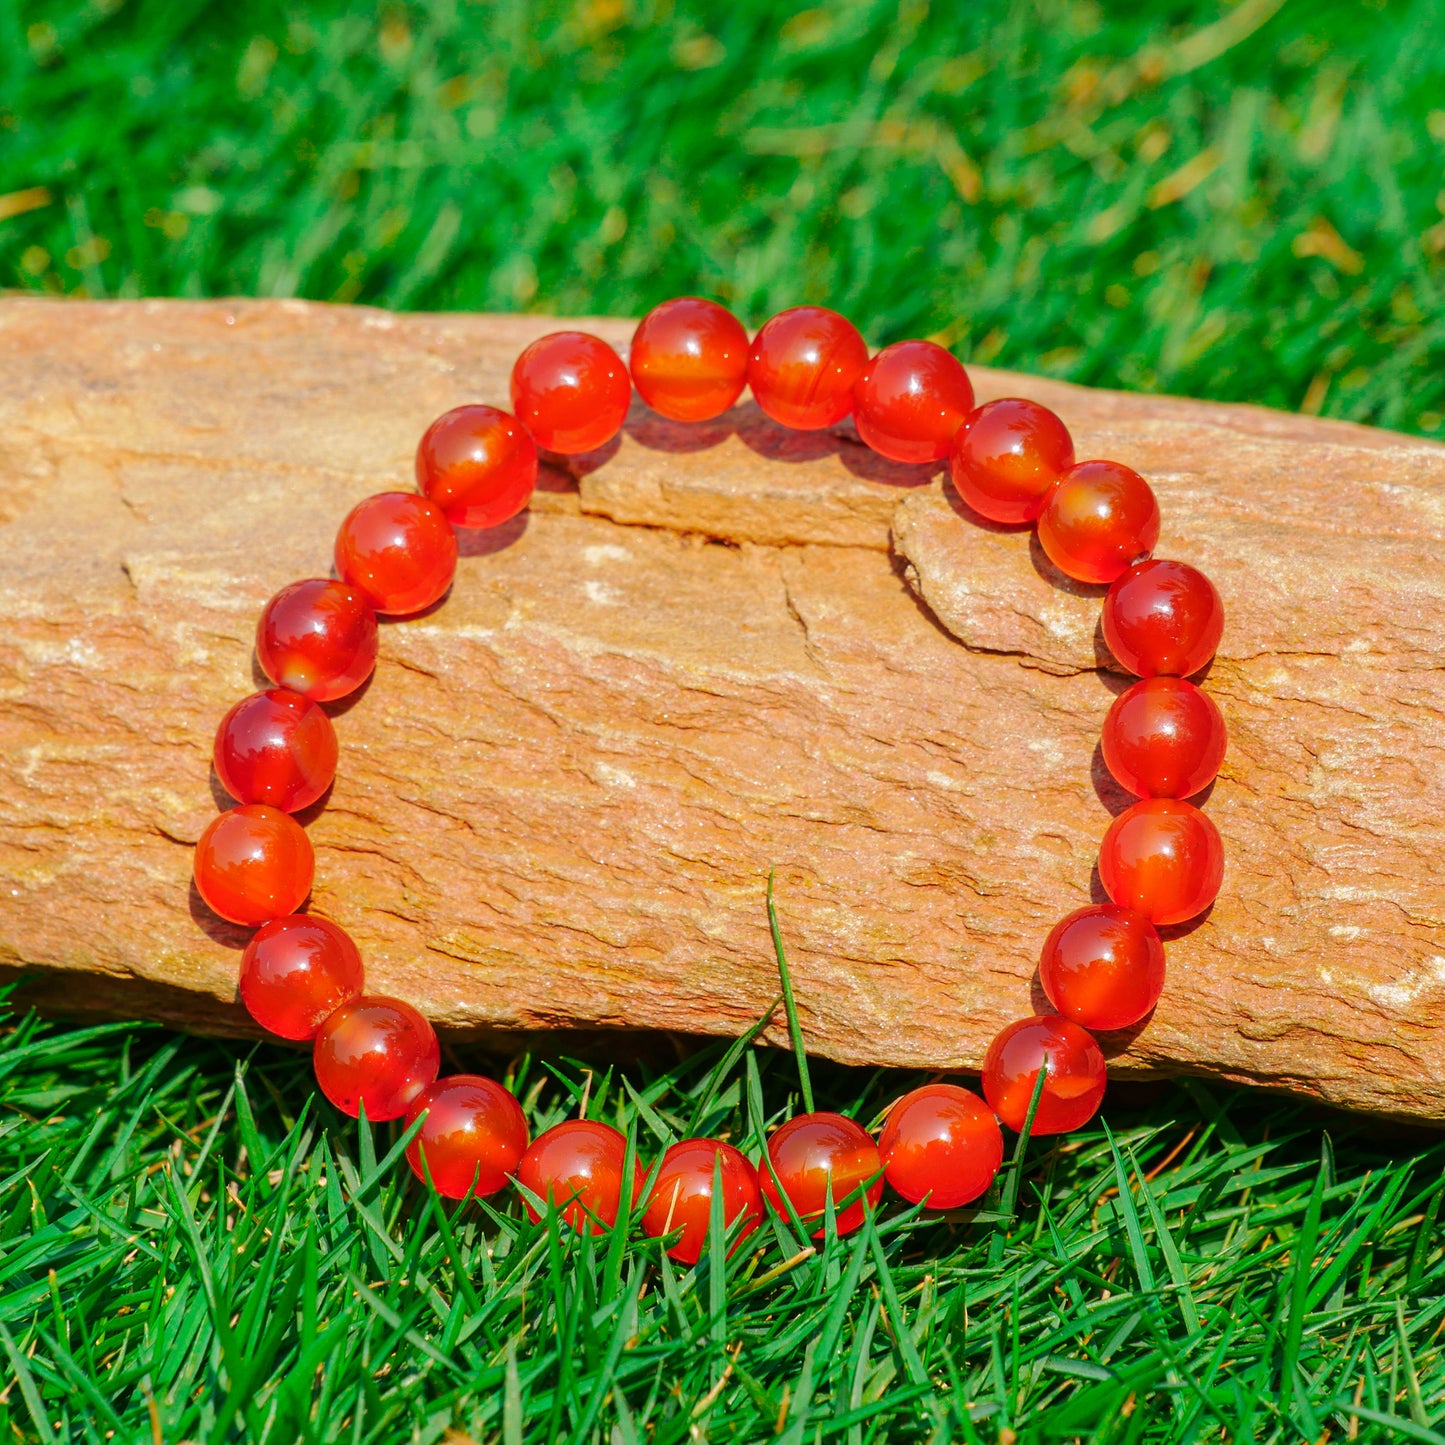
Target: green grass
(1226, 202)
(1230, 202)
(191, 1248)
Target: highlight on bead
(818, 1157)
(1098, 519)
(689, 359)
(1162, 858)
(1162, 618)
(317, 638)
(910, 401)
(478, 465)
(275, 747)
(1103, 966)
(296, 972)
(1073, 1068)
(399, 549)
(1164, 738)
(254, 863)
(940, 1146)
(472, 1135)
(803, 365)
(1006, 457)
(375, 1052)
(571, 392)
(681, 1197)
(579, 1167)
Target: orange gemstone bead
(689, 359)
(1164, 859)
(478, 465)
(1164, 738)
(911, 400)
(803, 366)
(578, 1166)
(814, 1155)
(254, 863)
(681, 1196)
(1163, 618)
(472, 1138)
(1074, 1080)
(571, 391)
(941, 1145)
(275, 747)
(375, 1051)
(296, 972)
(1099, 519)
(317, 638)
(399, 549)
(1007, 456)
(1103, 967)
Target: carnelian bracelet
(1102, 967)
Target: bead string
(1011, 461)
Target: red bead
(254, 863)
(682, 1196)
(1098, 520)
(275, 747)
(1006, 457)
(571, 391)
(815, 1154)
(375, 1051)
(578, 1166)
(472, 1138)
(1163, 618)
(296, 971)
(317, 638)
(1164, 738)
(1163, 859)
(1103, 967)
(478, 465)
(803, 365)
(940, 1144)
(1073, 1083)
(399, 549)
(689, 359)
(911, 400)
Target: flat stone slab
(703, 654)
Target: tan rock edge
(703, 655)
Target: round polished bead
(815, 1155)
(911, 400)
(375, 1051)
(681, 1197)
(940, 1145)
(1164, 859)
(318, 638)
(1163, 618)
(803, 366)
(478, 465)
(1164, 738)
(254, 863)
(399, 549)
(689, 359)
(276, 747)
(472, 1138)
(1074, 1074)
(571, 391)
(296, 972)
(1007, 456)
(578, 1166)
(1098, 520)
(1103, 967)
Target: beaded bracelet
(1102, 967)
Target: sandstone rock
(705, 654)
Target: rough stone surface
(701, 655)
